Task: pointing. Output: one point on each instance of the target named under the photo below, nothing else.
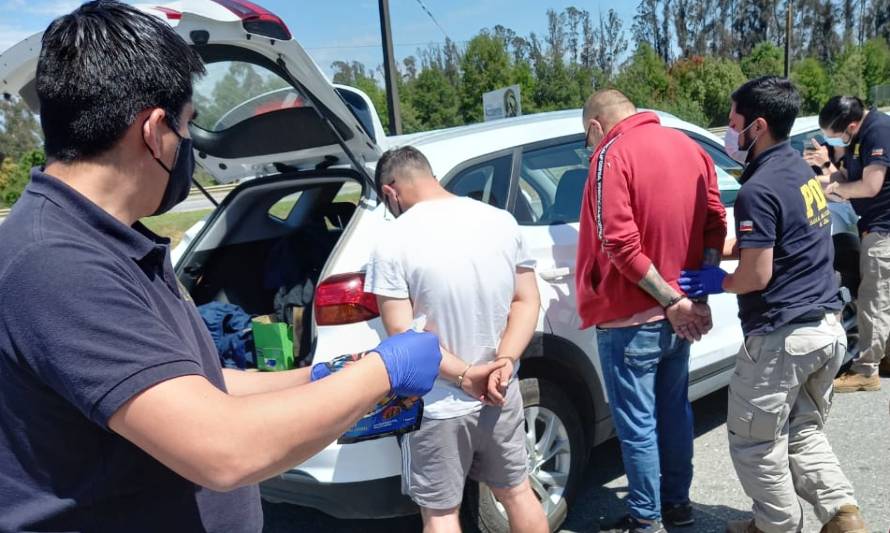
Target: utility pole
(390, 72)
(861, 26)
(788, 18)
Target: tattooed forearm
(657, 287)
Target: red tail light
(257, 20)
(342, 299)
(171, 14)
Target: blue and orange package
(390, 416)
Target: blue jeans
(646, 370)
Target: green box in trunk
(274, 342)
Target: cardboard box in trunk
(277, 344)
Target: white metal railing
(194, 193)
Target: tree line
(686, 58)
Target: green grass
(283, 208)
(173, 225)
(349, 193)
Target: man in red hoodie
(651, 208)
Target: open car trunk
(267, 244)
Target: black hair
(394, 160)
(99, 67)
(771, 98)
(840, 112)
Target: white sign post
(502, 103)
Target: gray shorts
(488, 445)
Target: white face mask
(731, 144)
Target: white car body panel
(553, 246)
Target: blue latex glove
(412, 362)
(319, 371)
(698, 283)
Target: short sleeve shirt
(92, 315)
(871, 146)
(456, 259)
(781, 206)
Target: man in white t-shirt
(461, 264)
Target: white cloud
(10, 35)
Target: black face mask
(180, 182)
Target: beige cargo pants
(873, 302)
(779, 398)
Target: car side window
(487, 181)
(551, 184)
(802, 140)
(728, 169)
(360, 110)
(236, 91)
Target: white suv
(309, 215)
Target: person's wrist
(510, 361)
(674, 301)
(718, 282)
(727, 283)
(377, 366)
(462, 379)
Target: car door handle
(556, 273)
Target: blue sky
(350, 29)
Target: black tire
(480, 512)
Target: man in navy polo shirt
(865, 134)
(114, 412)
(780, 392)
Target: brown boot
(847, 520)
(853, 382)
(884, 369)
(742, 526)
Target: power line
(436, 22)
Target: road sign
(502, 103)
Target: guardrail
(214, 189)
(194, 193)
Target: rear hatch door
(264, 106)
